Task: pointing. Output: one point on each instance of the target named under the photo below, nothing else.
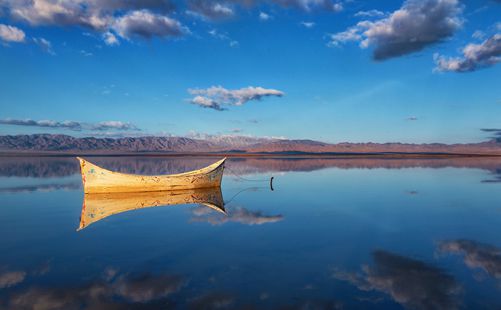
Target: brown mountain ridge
(40, 143)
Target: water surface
(333, 234)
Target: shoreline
(292, 155)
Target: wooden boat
(98, 180)
(98, 206)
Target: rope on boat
(226, 203)
(235, 174)
(251, 180)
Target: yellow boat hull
(98, 206)
(98, 180)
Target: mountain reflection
(41, 188)
(476, 255)
(410, 282)
(38, 167)
(57, 167)
(99, 206)
(236, 215)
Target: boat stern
(217, 173)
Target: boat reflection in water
(97, 206)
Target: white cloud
(146, 24)
(96, 14)
(62, 13)
(129, 18)
(416, 25)
(115, 125)
(71, 125)
(479, 35)
(45, 45)
(218, 35)
(264, 16)
(112, 19)
(86, 53)
(308, 5)
(475, 56)
(216, 96)
(11, 34)
(222, 9)
(206, 103)
(212, 10)
(42, 123)
(370, 13)
(110, 39)
(308, 24)
(223, 36)
(350, 34)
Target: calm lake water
(333, 234)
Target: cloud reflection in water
(237, 215)
(476, 255)
(412, 283)
(125, 291)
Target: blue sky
(358, 71)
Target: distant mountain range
(223, 144)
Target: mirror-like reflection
(50, 167)
(216, 300)
(410, 282)
(97, 206)
(237, 215)
(41, 187)
(476, 255)
(110, 291)
(11, 278)
(309, 244)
